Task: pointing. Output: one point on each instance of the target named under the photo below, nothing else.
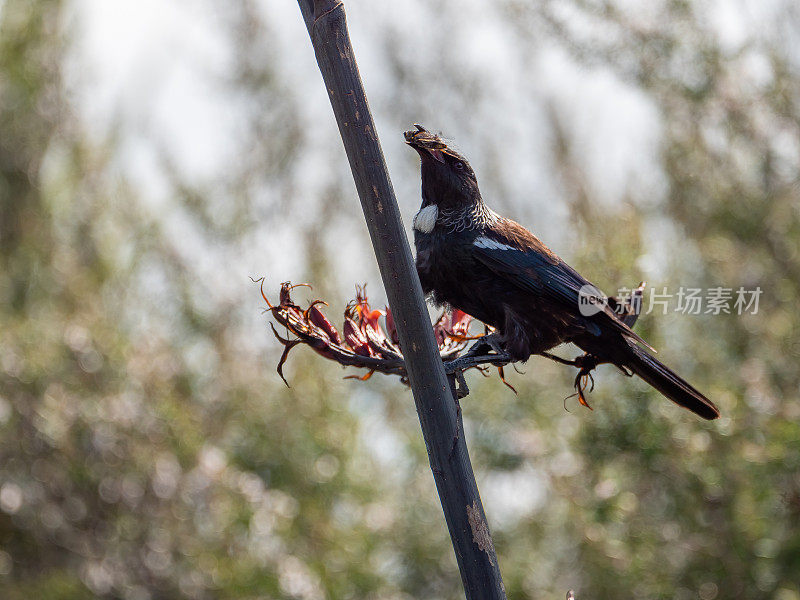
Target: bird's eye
(458, 165)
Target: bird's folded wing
(542, 272)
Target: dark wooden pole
(433, 394)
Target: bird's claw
(486, 343)
(586, 363)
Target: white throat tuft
(425, 219)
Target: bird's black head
(447, 179)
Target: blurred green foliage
(160, 456)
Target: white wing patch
(490, 244)
(425, 219)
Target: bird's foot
(586, 363)
(485, 344)
(488, 349)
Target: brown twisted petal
(316, 317)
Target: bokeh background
(154, 156)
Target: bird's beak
(425, 143)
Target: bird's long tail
(669, 383)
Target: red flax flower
(368, 337)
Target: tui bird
(494, 269)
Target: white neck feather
(425, 219)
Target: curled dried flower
(368, 337)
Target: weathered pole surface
(435, 400)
